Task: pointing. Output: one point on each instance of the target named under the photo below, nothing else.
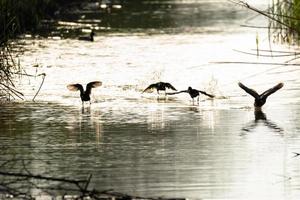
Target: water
(159, 147)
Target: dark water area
(150, 146)
(144, 17)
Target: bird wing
(271, 90)
(91, 85)
(172, 93)
(75, 87)
(168, 85)
(150, 87)
(210, 95)
(249, 90)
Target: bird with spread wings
(84, 94)
(160, 86)
(193, 93)
(260, 99)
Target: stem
(44, 75)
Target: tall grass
(16, 17)
(284, 19)
(287, 20)
(296, 15)
(8, 67)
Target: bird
(193, 93)
(160, 86)
(88, 38)
(84, 94)
(260, 99)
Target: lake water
(151, 146)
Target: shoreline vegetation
(284, 19)
(283, 27)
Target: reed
(8, 66)
(16, 17)
(8, 69)
(296, 15)
(286, 26)
(284, 19)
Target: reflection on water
(148, 146)
(165, 150)
(149, 16)
(260, 118)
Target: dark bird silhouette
(160, 86)
(84, 94)
(193, 93)
(88, 38)
(260, 99)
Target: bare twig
(40, 177)
(266, 55)
(257, 63)
(263, 27)
(44, 75)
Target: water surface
(148, 146)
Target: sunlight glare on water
(146, 145)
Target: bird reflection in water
(85, 110)
(85, 123)
(194, 109)
(261, 118)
